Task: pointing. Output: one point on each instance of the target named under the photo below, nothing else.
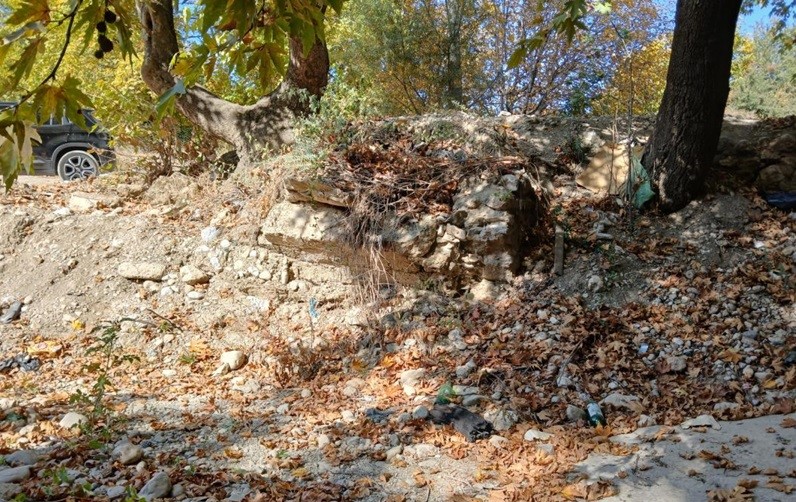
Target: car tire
(76, 165)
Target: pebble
(115, 492)
(195, 295)
(72, 419)
(21, 457)
(465, 370)
(142, 271)
(547, 449)
(305, 393)
(282, 408)
(322, 440)
(574, 413)
(394, 452)
(534, 435)
(235, 359)
(15, 474)
(169, 373)
(502, 419)
(192, 275)
(128, 453)
(420, 413)
(472, 400)
(498, 441)
(177, 491)
(619, 400)
(348, 416)
(157, 487)
(646, 421)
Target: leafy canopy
(248, 36)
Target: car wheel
(77, 164)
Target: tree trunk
(454, 90)
(689, 121)
(265, 125)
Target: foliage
(240, 38)
(764, 74)
(109, 359)
(641, 76)
(397, 53)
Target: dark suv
(68, 150)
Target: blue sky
(747, 23)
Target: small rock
(72, 419)
(22, 457)
(115, 492)
(235, 359)
(177, 491)
(9, 490)
(485, 291)
(595, 283)
(195, 295)
(420, 413)
(421, 451)
(719, 407)
(701, 421)
(563, 381)
(676, 364)
(472, 400)
(209, 234)
(502, 419)
(15, 474)
(465, 370)
(157, 487)
(348, 416)
(619, 400)
(646, 421)
(128, 453)
(282, 408)
(169, 373)
(80, 204)
(222, 369)
(575, 414)
(547, 449)
(190, 274)
(322, 440)
(411, 377)
(498, 441)
(536, 435)
(357, 316)
(143, 271)
(305, 393)
(6, 403)
(394, 452)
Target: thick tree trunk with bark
(267, 124)
(689, 121)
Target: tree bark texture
(265, 124)
(689, 120)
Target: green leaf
(23, 66)
(213, 9)
(9, 162)
(602, 7)
(520, 53)
(28, 11)
(166, 102)
(337, 5)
